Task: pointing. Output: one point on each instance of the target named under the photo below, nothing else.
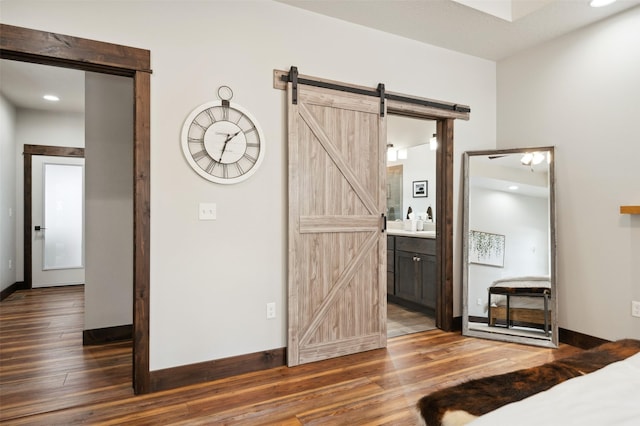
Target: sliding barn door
(337, 249)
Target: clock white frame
(184, 140)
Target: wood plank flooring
(48, 378)
(43, 365)
(401, 321)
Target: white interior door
(57, 200)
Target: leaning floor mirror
(509, 250)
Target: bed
(520, 300)
(599, 386)
(609, 396)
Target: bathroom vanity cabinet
(412, 271)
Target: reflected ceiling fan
(528, 158)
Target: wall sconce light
(391, 153)
(433, 142)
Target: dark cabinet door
(408, 280)
(415, 271)
(416, 278)
(391, 265)
(391, 288)
(428, 280)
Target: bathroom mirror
(509, 256)
(394, 192)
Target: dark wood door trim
(28, 152)
(28, 45)
(444, 226)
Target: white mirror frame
(502, 335)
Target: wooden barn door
(337, 246)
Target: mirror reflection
(509, 255)
(394, 192)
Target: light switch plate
(271, 310)
(207, 211)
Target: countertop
(417, 234)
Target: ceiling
(463, 28)
(406, 132)
(446, 23)
(500, 172)
(24, 84)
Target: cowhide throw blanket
(460, 404)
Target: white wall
(580, 93)
(7, 194)
(419, 165)
(39, 127)
(210, 280)
(523, 220)
(108, 201)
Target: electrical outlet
(271, 310)
(635, 308)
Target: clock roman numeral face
(222, 143)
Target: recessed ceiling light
(513, 187)
(52, 98)
(600, 3)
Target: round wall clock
(222, 141)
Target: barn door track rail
(281, 78)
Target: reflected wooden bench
(521, 311)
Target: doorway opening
(58, 50)
(412, 188)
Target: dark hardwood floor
(48, 378)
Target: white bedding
(607, 397)
(520, 302)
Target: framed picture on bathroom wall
(420, 189)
